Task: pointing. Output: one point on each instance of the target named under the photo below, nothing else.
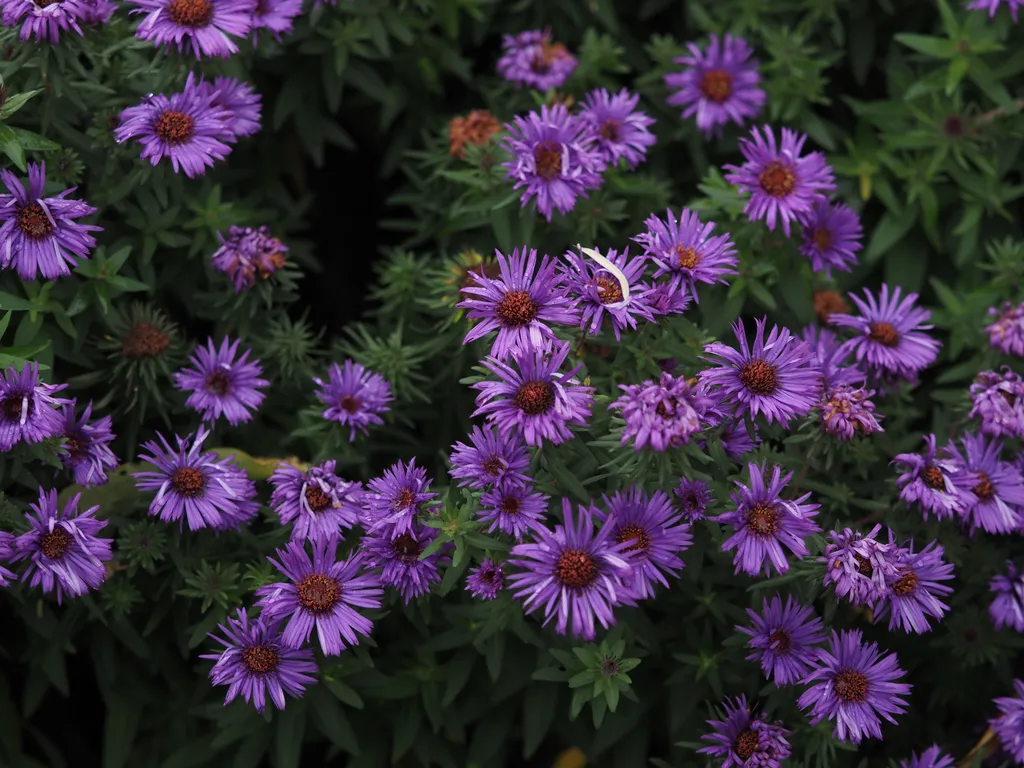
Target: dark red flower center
(933, 478)
(190, 13)
(763, 519)
(716, 85)
(493, 466)
(850, 686)
(56, 543)
(11, 408)
(984, 490)
(828, 303)
(174, 128)
(349, 403)
(144, 340)
(609, 130)
(780, 640)
(759, 377)
(864, 566)
(608, 290)
(188, 481)
(260, 659)
(548, 160)
(72, 446)
(822, 238)
(535, 397)
(317, 499)
(636, 535)
(776, 179)
(885, 334)
(576, 569)
(953, 126)
(516, 309)
(406, 548)
(218, 383)
(906, 584)
(405, 498)
(33, 222)
(46, 3)
(509, 506)
(747, 744)
(687, 256)
(318, 592)
(1009, 397)
(549, 51)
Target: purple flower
(393, 500)
(276, 16)
(530, 58)
(848, 411)
(686, 250)
(537, 399)
(39, 235)
(720, 85)
(28, 409)
(911, 594)
(183, 127)
(1013, 6)
(739, 438)
(832, 234)
(1007, 608)
(256, 664)
(830, 356)
(763, 523)
(783, 639)
(321, 592)
(745, 741)
(667, 298)
(619, 129)
(997, 486)
(597, 291)
(205, 26)
(1009, 726)
(201, 488)
(930, 758)
(937, 484)
(853, 685)
(88, 454)
(572, 573)
(514, 510)
(7, 577)
(518, 304)
(486, 580)
(1007, 332)
(782, 184)
(44, 23)
(662, 414)
(97, 11)
(247, 253)
(242, 103)
(221, 383)
(998, 399)
(858, 565)
(653, 532)
(694, 498)
(318, 502)
(552, 159)
(490, 459)
(354, 396)
(774, 378)
(400, 561)
(64, 551)
(890, 341)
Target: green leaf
(332, 721)
(889, 231)
(16, 102)
(291, 727)
(407, 726)
(957, 71)
(566, 479)
(119, 731)
(936, 47)
(539, 705)
(16, 303)
(344, 694)
(33, 141)
(10, 146)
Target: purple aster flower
(490, 459)
(44, 23)
(782, 184)
(1007, 332)
(739, 438)
(552, 159)
(853, 685)
(393, 500)
(654, 533)
(694, 498)
(245, 508)
(486, 580)
(859, 566)
(7, 577)
(514, 510)
(201, 488)
(774, 377)
(1007, 609)
(742, 740)
(28, 409)
(1009, 726)
(830, 356)
(930, 758)
(205, 26)
(783, 639)
(248, 253)
(242, 103)
(65, 553)
(276, 16)
(518, 303)
(661, 414)
(832, 234)
(686, 250)
(992, 6)
(911, 594)
(998, 400)
(890, 341)
(537, 399)
(322, 592)
(319, 502)
(573, 573)
(597, 291)
(39, 235)
(997, 486)
(400, 561)
(183, 127)
(935, 483)
(668, 298)
(97, 11)
(763, 523)
(848, 411)
(720, 84)
(530, 58)
(256, 664)
(88, 454)
(619, 129)
(355, 397)
(221, 383)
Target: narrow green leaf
(936, 47)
